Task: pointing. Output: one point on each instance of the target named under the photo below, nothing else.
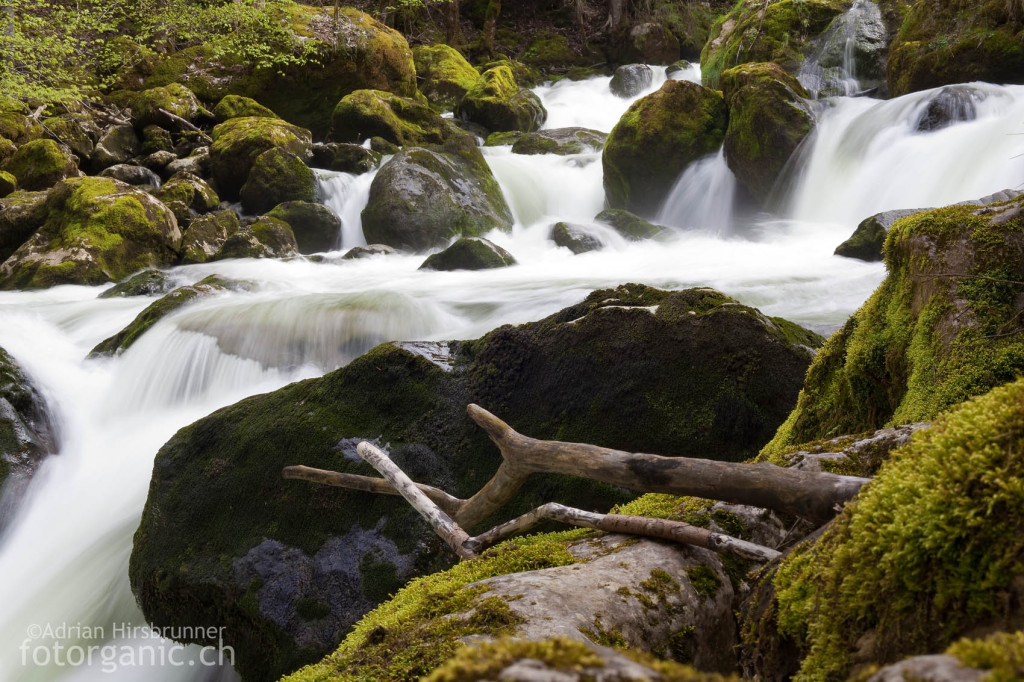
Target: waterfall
(346, 195)
(858, 35)
(703, 197)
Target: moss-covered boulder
(496, 102)
(40, 164)
(635, 368)
(550, 51)
(315, 226)
(768, 120)
(117, 144)
(469, 253)
(345, 158)
(97, 230)
(8, 184)
(174, 98)
(159, 309)
(648, 43)
(26, 431)
(781, 31)
(939, 43)
(191, 190)
(77, 131)
(237, 106)
(576, 238)
(206, 235)
(15, 123)
(267, 237)
(629, 225)
(868, 239)
(399, 120)
(238, 142)
(156, 139)
(561, 141)
(421, 198)
(145, 283)
(444, 75)
(654, 141)
(932, 549)
(333, 59)
(21, 214)
(629, 80)
(945, 325)
(277, 176)
(7, 149)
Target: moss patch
(1001, 654)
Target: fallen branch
(187, 125)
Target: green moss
(705, 582)
(39, 164)
(469, 253)
(599, 635)
(1001, 654)
(175, 98)
(372, 113)
(190, 190)
(419, 629)
(444, 74)
(496, 102)
(8, 184)
(549, 50)
(631, 226)
(238, 142)
(277, 176)
(486, 659)
(310, 608)
(942, 327)
(237, 106)
(925, 552)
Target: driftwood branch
(187, 125)
(467, 547)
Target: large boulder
(649, 43)
(399, 120)
(21, 214)
(191, 191)
(561, 141)
(421, 198)
(782, 32)
(27, 435)
(277, 176)
(267, 237)
(469, 253)
(444, 74)
(174, 98)
(942, 327)
(635, 368)
(315, 226)
(654, 141)
(97, 230)
(335, 58)
(40, 164)
(768, 120)
(939, 44)
(238, 142)
(496, 102)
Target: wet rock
(950, 105)
(856, 39)
(345, 158)
(145, 283)
(629, 80)
(656, 139)
(118, 144)
(469, 253)
(561, 141)
(96, 230)
(631, 226)
(676, 68)
(421, 198)
(238, 142)
(40, 164)
(498, 103)
(315, 226)
(402, 121)
(368, 251)
(576, 238)
(867, 240)
(277, 176)
(131, 175)
(266, 238)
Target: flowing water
(64, 554)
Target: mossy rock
(526, 76)
(117, 144)
(939, 43)
(444, 75)
(191, 190)
(21, 214)
(780, 31)
(27, 435)
(156, 311)
(345, 158)
(421, 198)
(77, 132)
(16, 125)
(561, 141)
(374, 113)
(943, 326)
(267, 237)
(929, 551)
(40, 164)
(156, 139)
(768, 121)
(97, 230)
(648, 43)
(656, 139)
(206, 235)
(8, 184)
(548, 51)
(145, 283)
(316, 228)
(635, 368)
(356, 53)
(174, 98)
(867, 240)
(237, 106)
(277, 176)
(503, 138)
(238, 142)
(469, 253)
(498, 103)
(576, 238)
(7, 149)
(677, 67)
(629, 225)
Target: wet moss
(277, 176)
(926, 552)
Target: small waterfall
(703, 197)
(346, 195)
(847, 59)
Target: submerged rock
(469, 253)
(145, 283)
(635, 368)
(421, 198)
(629, 80)
(656, 139)
(576, 238)
(631, 226)
(368, 251)
(561, 141)
(949, 105)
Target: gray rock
(197, 163)
(629, 80)
(133, 175)
(157, 161)
(576, 238)
(118, 144)
(344, 157)
(21, 214)
(949, 105)
(862, 28)
(863, 454)
(936, 668)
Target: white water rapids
(63, 557)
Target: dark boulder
(469, 253)
(316, 228)
(561, 141)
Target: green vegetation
(925, 552)
(1001, 654)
